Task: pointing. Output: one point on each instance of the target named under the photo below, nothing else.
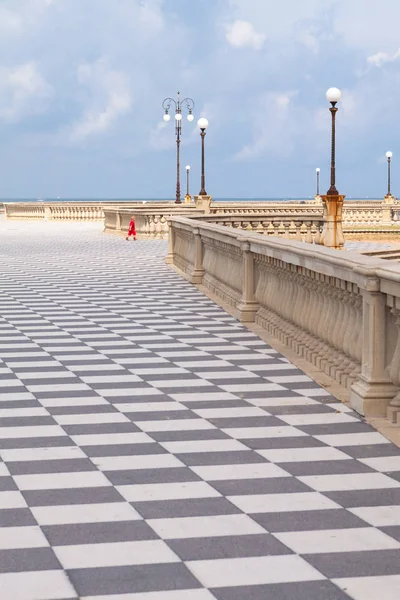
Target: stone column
(372, 392)
(332, 233)
(387, 202)
(118, 221)
(198, 271)
(393, 412)
(247, 307)
(169, 259)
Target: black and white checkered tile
(155, 449)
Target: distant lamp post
(178, 104)
(188, 197)
(389, 160)
(332, 234)
(317, 170)
(202, 124)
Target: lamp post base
(203, 203)
(332, 233)
(188, 199)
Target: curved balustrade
(339, 311)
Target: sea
(145, 200)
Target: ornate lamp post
(188, 197)
(332, 234)
(179, 104)
(203, 124)
(389, 159)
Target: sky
(82, 84)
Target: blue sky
(82, 82)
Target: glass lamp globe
(178, 117)
(317, 169)
(202, 123)
(190, 117)
(389, 154)
(333, 94)
(166, 117)
(188, 168)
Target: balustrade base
(197, 276)
(393, 414)
(247, 311)
(371, 399)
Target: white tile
(243, 433)
(378, 516)
(260, 570)
(203, 446)
(276, 503)
(203, 397)
(175, 425)
(385, 464)
(234, 374)
(371, 588)
(353, 439)
(22, 537)
(10, 383)
(48, 453)
(243, 411)
(23, 412)
(247, 471)
(202, 364)
(317, 419)
(102, 439)
(16, 396)
(85, 513)
(313, 392)
(167, 491)
(159, 371)
(31, 431)
(150, 461)
(150, 407)
(46, 375)
(80, 419)
(353, 481)
(59, 387)
(12, 500)
(337, 540)
(139, 391)
(76, 401)
(46, 585)
(180, 383)
(323, 453)
(94, 379)
(101, 367)
(252, 387)
(115, 554)
(211, 526)
(59, 481)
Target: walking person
(131, 230)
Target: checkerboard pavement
(152, 448)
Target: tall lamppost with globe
(179, 105)
(332, 234)
(317, 196)
(202, 124)
(389, 160)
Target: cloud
(380, 58)
(274, 130)
(109, 99)
(23, 91)
(242, 34)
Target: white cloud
(242, 34)
(110, 98)
(151, 15)
(380, 58)
(23, 91)
(274, 125)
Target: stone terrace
(153, 448)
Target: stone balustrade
(55, 211)
(306, 228)
(151, 221)
(339, 311)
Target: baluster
(394, 371)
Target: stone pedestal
(372, 392)
(318, 199)
(198, 270)
(203, 203)
(332, 233)
(387, 210)
(247, 307)
(169, 259)
(188, 198)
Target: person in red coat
(131, 229)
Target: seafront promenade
(154, 448)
